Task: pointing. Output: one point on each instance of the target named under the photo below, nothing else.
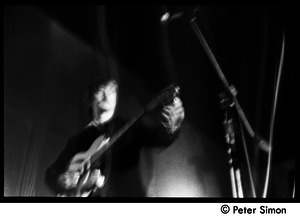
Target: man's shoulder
(88, 130)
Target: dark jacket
(119, 163)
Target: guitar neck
(116, 136)
(168, 92)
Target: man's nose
(104, 96)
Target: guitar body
(81, 163)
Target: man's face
(105, 99)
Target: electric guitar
(102, 144)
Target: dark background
(51, 53)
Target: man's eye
(110, 92)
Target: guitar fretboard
(116, 136)
(166, 93)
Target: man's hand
(69, 179)
(79, 164)
(173, 115)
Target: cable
(294, 190)
(247, 159)
(267, 180)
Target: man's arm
(58, 168)
(64, 174)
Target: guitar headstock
(165, 96)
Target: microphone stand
(235, 175)
(232, 91)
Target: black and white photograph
(155, 103)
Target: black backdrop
(52, 52)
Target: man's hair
(94, 87)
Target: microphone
(169, 17)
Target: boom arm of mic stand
(231, 89)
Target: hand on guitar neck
(79, 177)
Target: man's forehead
(109, 85)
